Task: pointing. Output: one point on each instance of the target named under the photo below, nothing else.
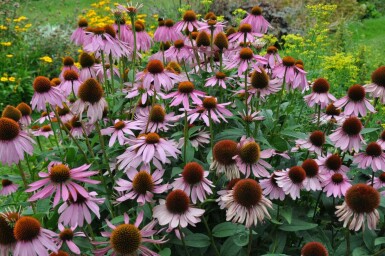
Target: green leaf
(297, 135)
(369, 237)
(241, 239)
(369, 130)
(175, 171)
(165, 252)
(229, 248)
(279, 143)
(360, 251)
(197, 240)
(297, 225)
(287, 213)
(379, 240)
(227, 229)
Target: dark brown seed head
(186, 87)
(321, 85)
(317, 138)
(25, 109)
(83, 23)
(356, 93)
(297, 174)
(177, 202)
(86, 60)
(9, 129)
(189, 16)
(378, 76)
(247, 193)
(41, 84)
(373, 149)
(155, 67)
(193, 173)
(245, 28)
(311, 168)
(352, 126)
(256, 10)
(12, 113)
(90, 91)
(224, 151)
(221, 41)
(288, 61)
(362, 198)
(203, 39)
(259, 80)
(314, 249)
(246, 54)
(143, 183)
(26, 229)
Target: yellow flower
(6, 43)
(46, 59)
(80, 50)
(2, 27)
(9, 55)
(28, 25)
(4, 79)
(77, 64)
(12, 79)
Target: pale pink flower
(313, 143)
(91, 98)
(312, 182)
(271, 188)
(46, 93)
(118, 131)
(260, 84)
(60, 180)
(273, 58)
(258, 23)
(156, 74)
(377, 87)
(32, 239)
(335, 184)
(291, 180)
(250, 158)
(355, 103)
(152, 147)
(360, 206)
(189, 22)
(251, 116)
(289, 72)
(320, 94)
(193, 181)
(122, 237)
(209, 108)
(197, 139)
(130, 161)
(141, 187)
(180, 52)
(45, 131)
(245, 34)
(299, 80)
(68, 64)
(66, 236)
(381, 140)
(14, 143)
(332, 115)
(155, 119)
(212, 25)
(26, 112)
(8, 187)
(331, 163)
(176, 211)
(373, 157)
(166, 32)
(186, 90)
(378, 182)
(348, 137)
(75, 212)
(244, 60)
(219, 79)
(246, 204)
(78, 35)
(143, 39)
(125, 31)
(99, 72)
(138, 90)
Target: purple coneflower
(66, 236)
(64, 113)
(245, 34)
(373, 157)
(378, 182)
(314, 143)
(118, 131)
(45, 131)
(87, 63)
(261, 84)
(244, 59)
(272, 56)
(377, 87)
(320, 94)
(26, 112)
(7, 237)
(245, 203)
(176, 211)
(32, 239)
(45, 93)
(360, 206)
(355, 102)
(60, 181)
(75, 212)
(291, 180)
(141, 187)
(313, 178)
(335, 184)
(224, 152)
(91, 98)
(209, 108)
(155, 119)
(166, 32)
(156, 74)
(271, 188)
(381, 140)
(127, 239)
(331, 163)
(13, 142)
(180, 52)
(186, 90)
(197, 139)
(8, 187)
(121, 26)
(189, 22)
(314, 248)
(138, 90)
(194, 182)
(219, 79)
(78, 35)
(348, 137)
(258, 23)
(288, 71)
(143, 39)
(332, 115)
(212, 25)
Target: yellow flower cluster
(6, 78)
(97, 19)
(322, 10)
(341, 65)
(2, 27)
(46, 59)
(6, 43)
(21, 18)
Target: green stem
(103, 149)
(250, 241)
(246, 104)
(316, 204)
(29, 168)
(39, 143)
(104, 72)
(87, 140)
(318, 115)
(112, 73)
(211, 236)
(372, 178)
(22, 174)
(183, 241)
(54, 131)
(211, 131)
(185, 137)
(132, 16)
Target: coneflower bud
(221, 41)
(12, 113)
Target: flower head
(314, 249)
(224, 152)
(45, 93)
(355, 103)
(348, 137)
